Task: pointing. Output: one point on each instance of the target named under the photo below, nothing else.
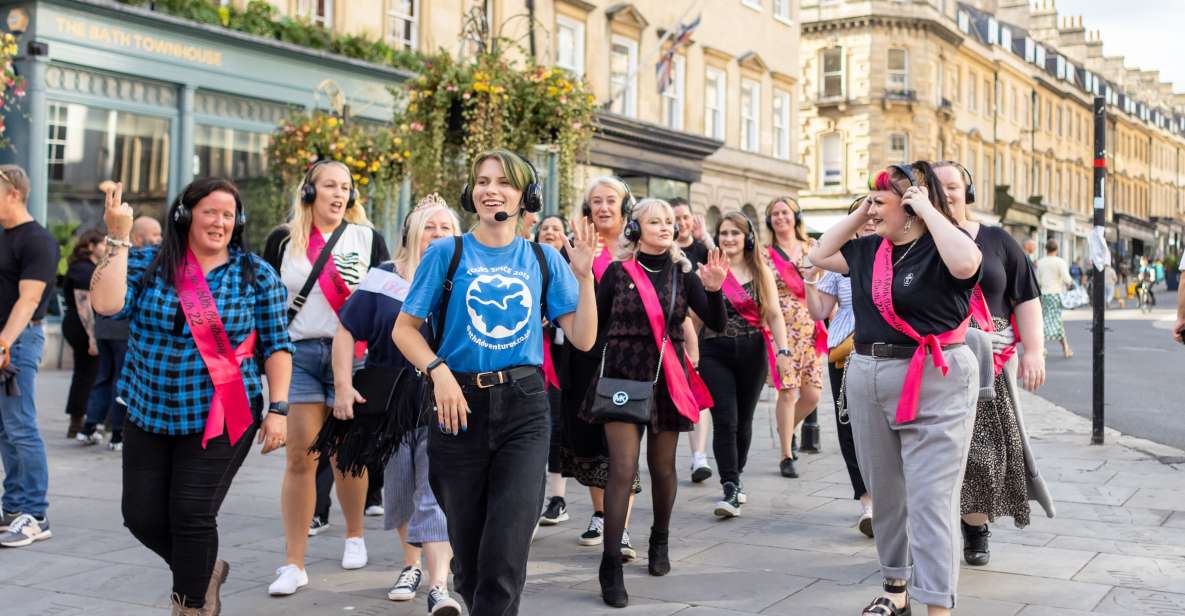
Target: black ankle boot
(612, 582)
(660, 562)
(975, 544)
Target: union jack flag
(665, 68)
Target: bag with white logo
(625, 399)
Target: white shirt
(351, 256)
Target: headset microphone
(501, 216)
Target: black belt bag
(885, 350)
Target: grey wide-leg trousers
(914, 470)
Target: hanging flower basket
(12, 86)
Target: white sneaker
(24, 530)
(94, 438)
(865, 523)
(354, 556)
(290, 579)
(374, 510)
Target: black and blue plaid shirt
(165, 382)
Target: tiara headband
(431, 201)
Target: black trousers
(489, 482)
(555, 458)
(172, 491)
(843, 431)
(734, 370)
(86, 366)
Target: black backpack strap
(326, 252)
(453, 264)
(545, 272)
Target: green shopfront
(117, 92)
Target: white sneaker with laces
(25, 530)
(94, 438)
(865, 523)
(354, 556)
(290, 579)
(373, 511)
(406, 584)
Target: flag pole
(634, 73)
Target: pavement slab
(1115, 547)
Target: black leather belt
(486, 380)
(885, 350)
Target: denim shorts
(312, 372)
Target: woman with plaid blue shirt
(200, 306)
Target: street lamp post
(1100, 221)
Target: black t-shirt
(78, 278)
(697, 253)
(27, 252)
(925, 293)
(1008, 276)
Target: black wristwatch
(432, 366)
(279, 408)
(785, 353)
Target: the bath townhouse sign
(121, 39)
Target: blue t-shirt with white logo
(493, 319)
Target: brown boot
(217, 577)
(179, 608)
(75, 425)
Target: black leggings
(86, 366)
(172, 490)
(734, 370)
(625, 444)
(844, 432)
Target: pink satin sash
(882, 297)
(229, 409)
(790, 276)
(680, 382)
(747, 308)
(983, 316)
(601, 263)
(332, 285)
(549, 373)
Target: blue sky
(1146, 32)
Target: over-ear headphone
(632, 232)
(532, 200)
(970, 192)
(308, 190)
(750, 237)
(789, 201)
(182, 216)
(627, 203)
(403, 231)
(907, 171)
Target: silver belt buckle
(882, 350)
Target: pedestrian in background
(831, 299)
(411, 507)
(1001, 475)
(696, 251)
(552, 230)
(28, 268)
(193, 386)
(1053, 276)
(78, 328)
(111, 336)
(805, 337)
(321, 255)
(911, 294)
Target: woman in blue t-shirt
(369, 314)
(489, 455)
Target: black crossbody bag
(626, 399)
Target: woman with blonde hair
(322, 254)
(642, 301)
(806, 338)
(369, 315)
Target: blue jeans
(100, 408)
(26, 473)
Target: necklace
(903, 255)
(652, 271)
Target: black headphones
(308, 190)
(970, 192)
(632, 232)
(532, 193)
(627, 203)
(403, 231)
(182, 216)
(750, 237)
(769, 212)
